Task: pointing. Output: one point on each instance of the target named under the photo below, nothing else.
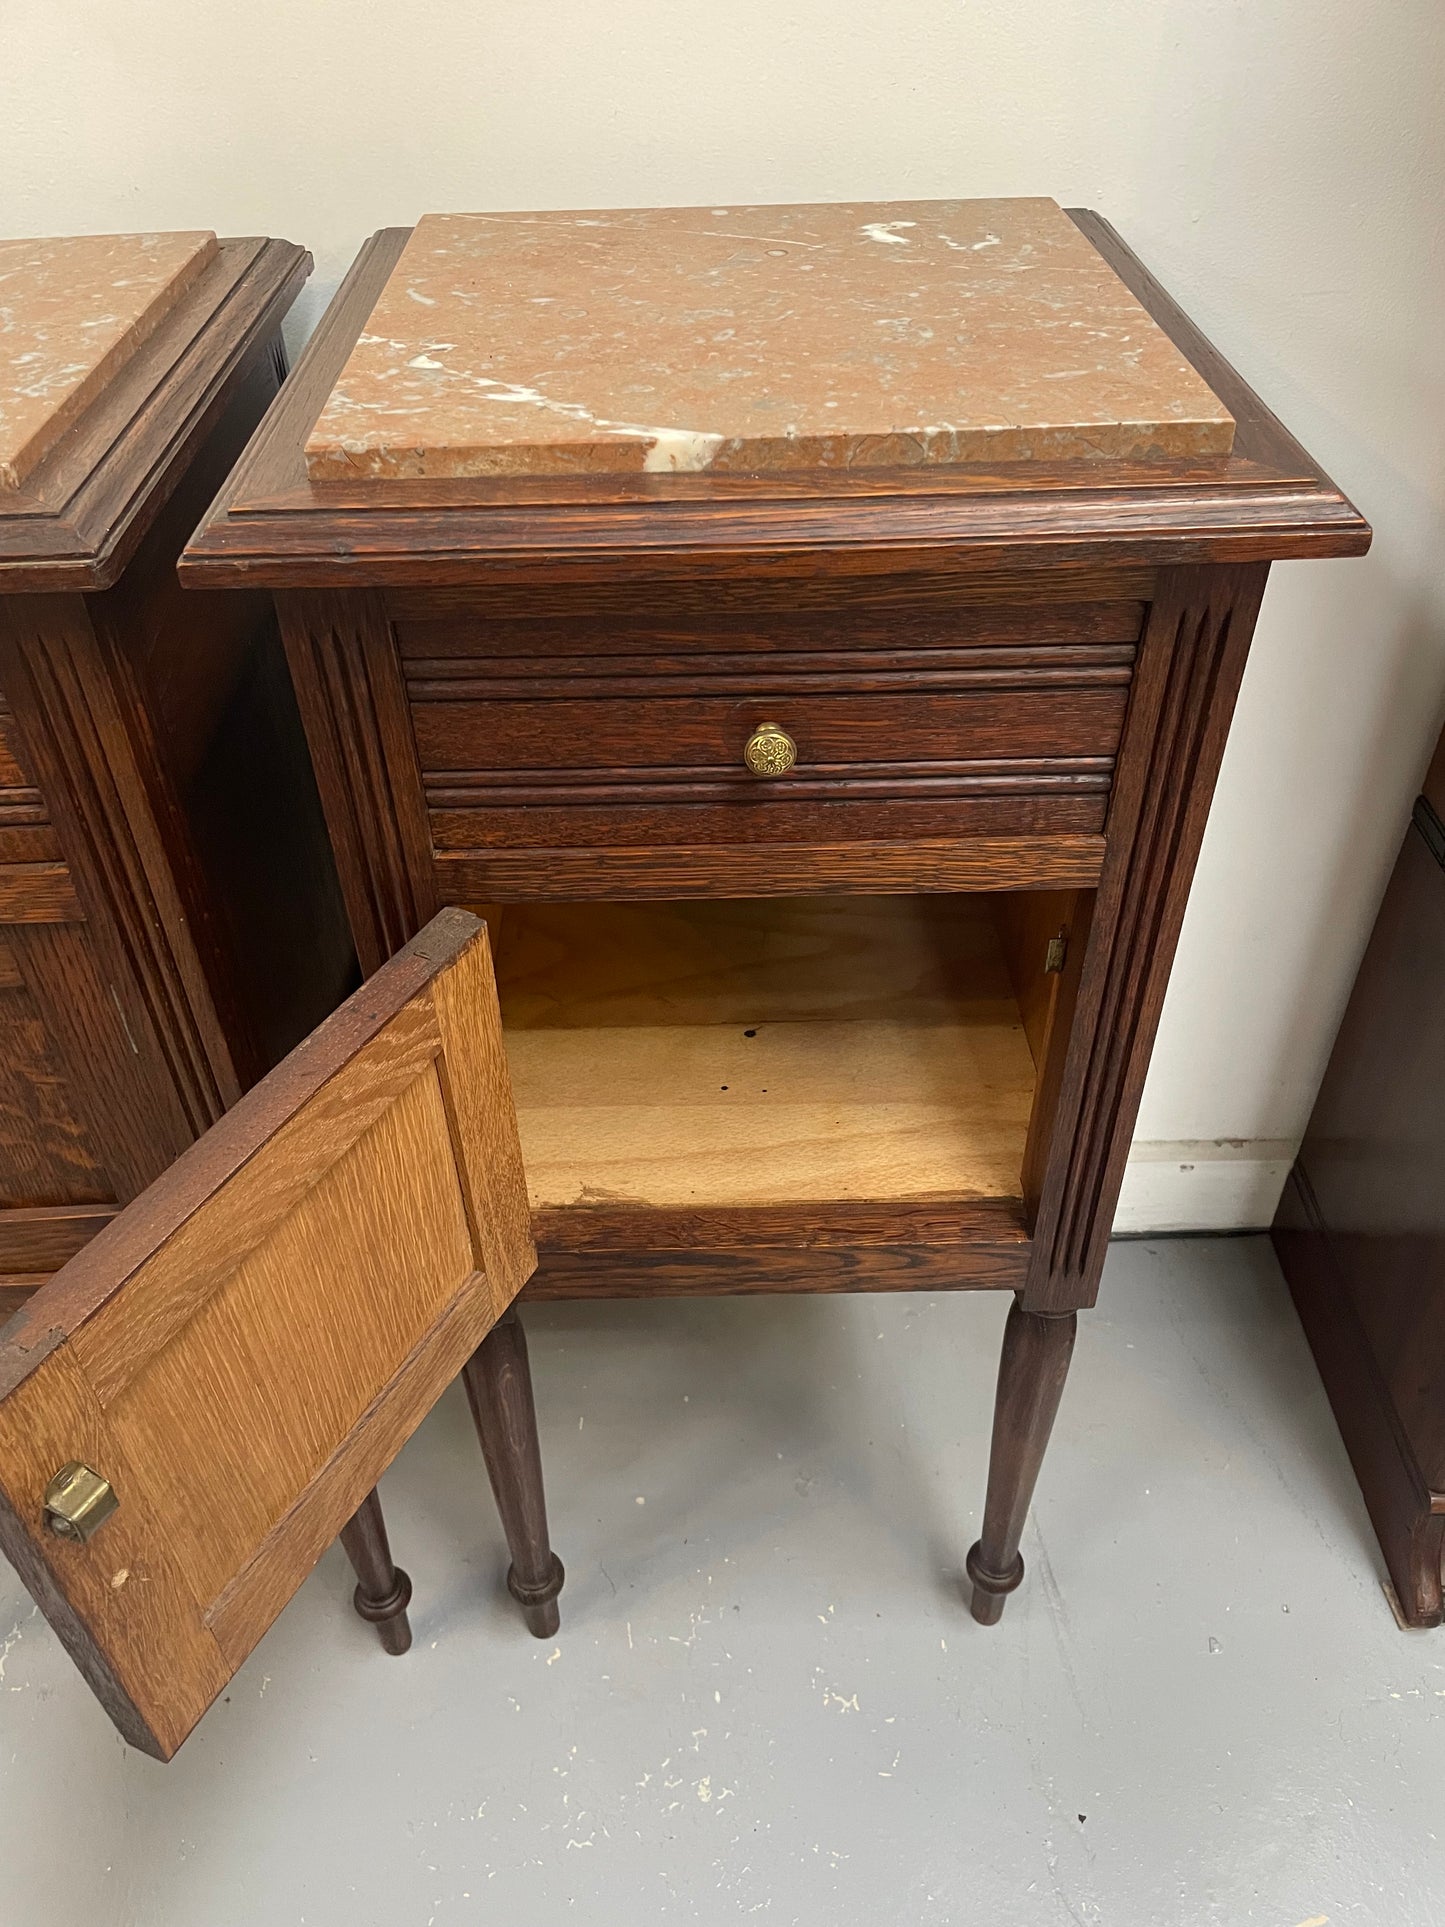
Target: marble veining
(72, 312)
(757, 339)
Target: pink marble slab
(72, 312)
(757, 339)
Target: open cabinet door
(240, 1355)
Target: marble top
(757, 339)
(72, 312)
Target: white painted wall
(1279, 163)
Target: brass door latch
(78, 1502)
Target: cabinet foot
(499, 1390)
(1032, 1369)
(383, 1590)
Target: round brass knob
(770, 750)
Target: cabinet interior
(777, 1050)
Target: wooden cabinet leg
(383, 1591)
(1031, 1374)
(499, 1390)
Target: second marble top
(757, 339)
(73, 309)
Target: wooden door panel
(336, 1297)
(243, 1351)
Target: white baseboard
(1205, 1186)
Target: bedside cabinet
(169, 918)
(811, 632)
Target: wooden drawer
(35, 884)
(934, 734)
(910, 722)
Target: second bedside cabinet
(170, 923)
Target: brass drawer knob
(78, 1502)
(770, 750)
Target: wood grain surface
(820, 868)
(974, 1263)
(735, 1053)
(38, 893)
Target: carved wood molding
(1190, 664)
(349, 687)
(463, 789)
(565, 678)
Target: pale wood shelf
(764, 1052)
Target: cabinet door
(243, 1351)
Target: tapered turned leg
(383, 1591)
(1031, 1374)
(499, 1390)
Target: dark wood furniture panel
(874, 808)
(1360, 1230)
(967, 861)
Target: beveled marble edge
(26, 457)
(1206, 439)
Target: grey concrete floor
(767, 1699)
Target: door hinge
(1057, 951)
